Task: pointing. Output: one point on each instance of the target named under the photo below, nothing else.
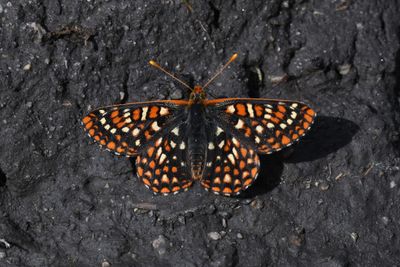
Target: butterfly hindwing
(162, 165)
(268, 124)
(123, 129)
(231, 166)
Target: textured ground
(333, 200)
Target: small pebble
(257, 204)
(160, 245)
(182, 219)
(344, 69)
(354, 236)
(105, 264)
(323, 186)
(392, 184)
(27, 67)
(176, 94)
(239, 235)
(224, 222)
(29, 104)
(214, 235)
(2, 255)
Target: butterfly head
(197, 93)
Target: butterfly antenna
(233, 57)
(157, 66)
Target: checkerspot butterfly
(215, 141)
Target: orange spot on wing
(146, 181)
(285, 140)
(254, 172)
(97, 138)
(295, 136)
(152, 164)
(187, 185)
(116, 120)
(140, 171)
(242, 164)
(136, 114)
(174, 169)
(274, 120)
(120, 149)
(121, 124)
(175, 188)
(237, 189)
(310, 112)
(241, 109)
(118, 137)
(216, 189)
(236, 172)
(227, 169)
(281, 108)
(276, 146)
(155, 189)
(154, 112)
(271, 140)
(217, 169)
(259, 110)
(165, 169)
(150, 151)
(306, 125)
(114, 114)
(111, 145)
(91, 132)
(243, 151)
(279, 115)
(308, 117)
(89, 125)
(158, 172)
(247, 132)
(248, 182)
(86, 119)
(227, 190)
(103, 142)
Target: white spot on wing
(239, 124)
(144, 113)
(176, 131)
(250, 110)
(270, 125)
(137, 143)
(103, 120)
(135, 132)
(107, 127)
(220, 145)
(163, 111)
(219, 131)
(172, 143)
(231, 159)
(259, 129)
(113, 130)
(211, 146)
(182, 145)
(283, 126)
(125, 129)
(257, 139)
(162, 158)
(230, 109)
(155, 126)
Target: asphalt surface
(331, 200)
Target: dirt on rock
(331, 200)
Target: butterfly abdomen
(197, 138)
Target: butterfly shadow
(328, 135)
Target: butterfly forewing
(269, 125)
(124, 129)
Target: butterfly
(213, 141)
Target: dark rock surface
(333, 200)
